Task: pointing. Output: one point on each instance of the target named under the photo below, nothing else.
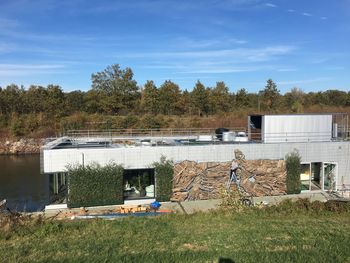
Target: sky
(304, 44)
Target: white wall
(296, 128)
(141, 157)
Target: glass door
(316, 175)
(330, 176)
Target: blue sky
(297, 43)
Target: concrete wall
(141, 157)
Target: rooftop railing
(194, 132)
(163, 132)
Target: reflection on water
(22, 184)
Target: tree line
(115, 92)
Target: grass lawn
(254, 236)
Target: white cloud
(192, 43)
(241, 54)
(30, 66)
(320, 60)
(286, 69)
(306, 14)
(12, 70)
(213, 61)
(220, 70)
(168, 6)
(304, 81)
(270, 5)
(25, 35)
(13, 29)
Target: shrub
(3, 121)
(18, 126)
(164, 179)
(31, 122)
(130, 121)
(232, 200)
(337, 206)
(95, 185)
(150, 122)
(304, 205)
(293, 173)
(75, 121)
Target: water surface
(22, 184)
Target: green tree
(35, 99)
(219, 98)
(185, 103)
(293, 167)
(149, 98)
(270, 95)
(294, 100)
(246, 100)
(335, 97)
(13, 99)
(120, 89)
(315, 98)
(93, 102)
(242, 98)
(54, 103)
(75, 101)
(200, 98)
(169, 94)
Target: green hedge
(94, 185)
(164, 179)
(293, 166)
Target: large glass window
(139, 183)
(329, 176)
(305, 176)
(318, 176)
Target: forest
(116, 101)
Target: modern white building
(298, 127)
(321, 141)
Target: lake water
(22, 184)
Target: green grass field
(253, 236)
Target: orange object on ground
(132, 209)
(165, 211)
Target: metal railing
(172, 136)
(188, 132)
(298, 137)
(163, 132)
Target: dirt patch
(194, 247)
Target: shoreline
(21, 146)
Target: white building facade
(338, 153)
